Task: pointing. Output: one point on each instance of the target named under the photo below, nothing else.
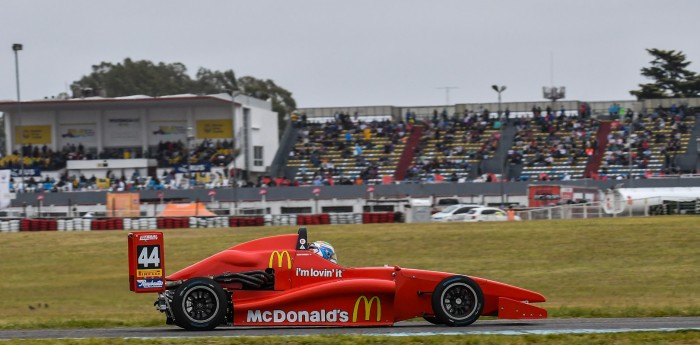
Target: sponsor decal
(280, 259)
(368, 307)
(297, 316)
(149, 273)
(149, 283)
(318, 316)
(146, 238)
(324, 273)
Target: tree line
(144, 77)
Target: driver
(324, 250)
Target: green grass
(586, 268)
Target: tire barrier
(346, 218)
(107, 224)
(38, 225)
(10, 225)
(280, 219)
(173, 223)
(313, 219)
(209, 222)
(246, 221)
(98, 224)
(378, 217)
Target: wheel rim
(201, 304)
(459, 301)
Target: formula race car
(288, 281)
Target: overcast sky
(359, 52)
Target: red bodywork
(309, 290)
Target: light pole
(499, 90)
(16, 48)
(234, 94)
(190, 137)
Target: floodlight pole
(234, 94)
(16, 47)
(190, 136)
(499, 90)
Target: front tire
(199, 304)
(457, 301)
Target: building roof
(135, 101)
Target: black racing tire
(432, 319)
(199, 304)
(457, 301)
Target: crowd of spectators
(168, 154)
(648, 141)
(545, 138)
(172, 153)
(450, 145)
(347, 150)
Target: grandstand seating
(346, 153)
(449, 149)
(553, 147)
(655, 140)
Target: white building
(137, 124)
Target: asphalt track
(505, 327)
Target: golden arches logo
(368, 307)
(280, 259)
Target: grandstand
(137, 142)
(142, 143)
(528, 144)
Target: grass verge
(586, 268)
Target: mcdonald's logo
(280, 259)
(368, 307)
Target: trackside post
(146, 262)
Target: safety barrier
(378, 217)
(12, 225)
(38, 225)
(246, 221)
(98, 224)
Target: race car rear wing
(146, 262)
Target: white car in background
(488, 214)
(454, 213)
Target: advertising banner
(33, 135)
(77, 133)
(196, 168)
(27, 172)
(539, 196)
(214, 129)
(123, 132)
(167, 130)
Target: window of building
(258, 156)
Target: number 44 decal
(149, 255)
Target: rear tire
(457, 301)
(199, 304)
(432, 319)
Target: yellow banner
(33, 135)
(214, 129)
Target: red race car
(288, 281)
